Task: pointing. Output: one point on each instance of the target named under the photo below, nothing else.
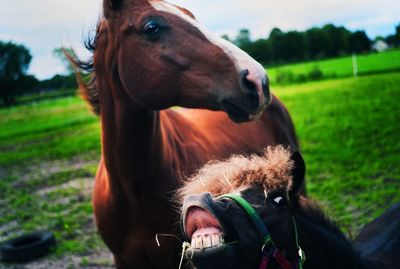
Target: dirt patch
(45, 169)
(100, 260)
(85, 185)
(54, 207)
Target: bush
(285, 77)
(59, 82)
(288, 77)
(315, 74)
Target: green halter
(263, 230)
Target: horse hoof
(27, 247)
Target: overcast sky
(43, 25)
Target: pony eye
(279, 200)
(152, 29)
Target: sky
(42, 25)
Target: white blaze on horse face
(240, 58)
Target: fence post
(355, 65)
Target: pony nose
(256, 86)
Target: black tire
(27, 247)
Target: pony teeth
(207, 241)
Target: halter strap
(273, 251)
(255, 218)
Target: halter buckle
(302, 255)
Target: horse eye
(279, 200)
(152, 29)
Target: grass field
(349, 133)
(348, 129)
(343, 67)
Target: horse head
(158, 55)
(238, 213)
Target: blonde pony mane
(272, 170)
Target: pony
(248, 212)
(149, 57)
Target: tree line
(14, 80)
(313, 44)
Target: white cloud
(43, 25)
(44, 64)
(262, 15)
(45, 13)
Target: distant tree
(276, 39)
(397, 36)
(338, 40)
(14, 63)
(261, 51)
(318, 43)
(359, 42)
(28, 83)
(60, 54)
(226, 37)
(243, 38)
(294, 46)
(62, 81)
(59, 82)
(377, 38)
(394, 39)
(287, 47)
(391, 40)
(315, 43)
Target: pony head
(220, 231)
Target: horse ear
(115, 4)
(112, 5)
(298, 174)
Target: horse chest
(132, 238)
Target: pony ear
(298, 174)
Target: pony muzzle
(203, 229)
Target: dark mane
(84, 71)
(315, 226)
(310, 210)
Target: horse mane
(84, 72)
(318, 232)
(310, 210)
(272, 170)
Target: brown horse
(147, 57)
(248, 213)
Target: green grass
(343, 67)
(349, 133)
(58, 128)
(348, 129)
(49, 154)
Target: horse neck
(324, 245)
(132, 146)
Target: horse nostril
(265, 88)
(247, 85)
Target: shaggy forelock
(272, 170)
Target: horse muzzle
(251, 101)
(265, 98)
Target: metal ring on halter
(302, 255)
